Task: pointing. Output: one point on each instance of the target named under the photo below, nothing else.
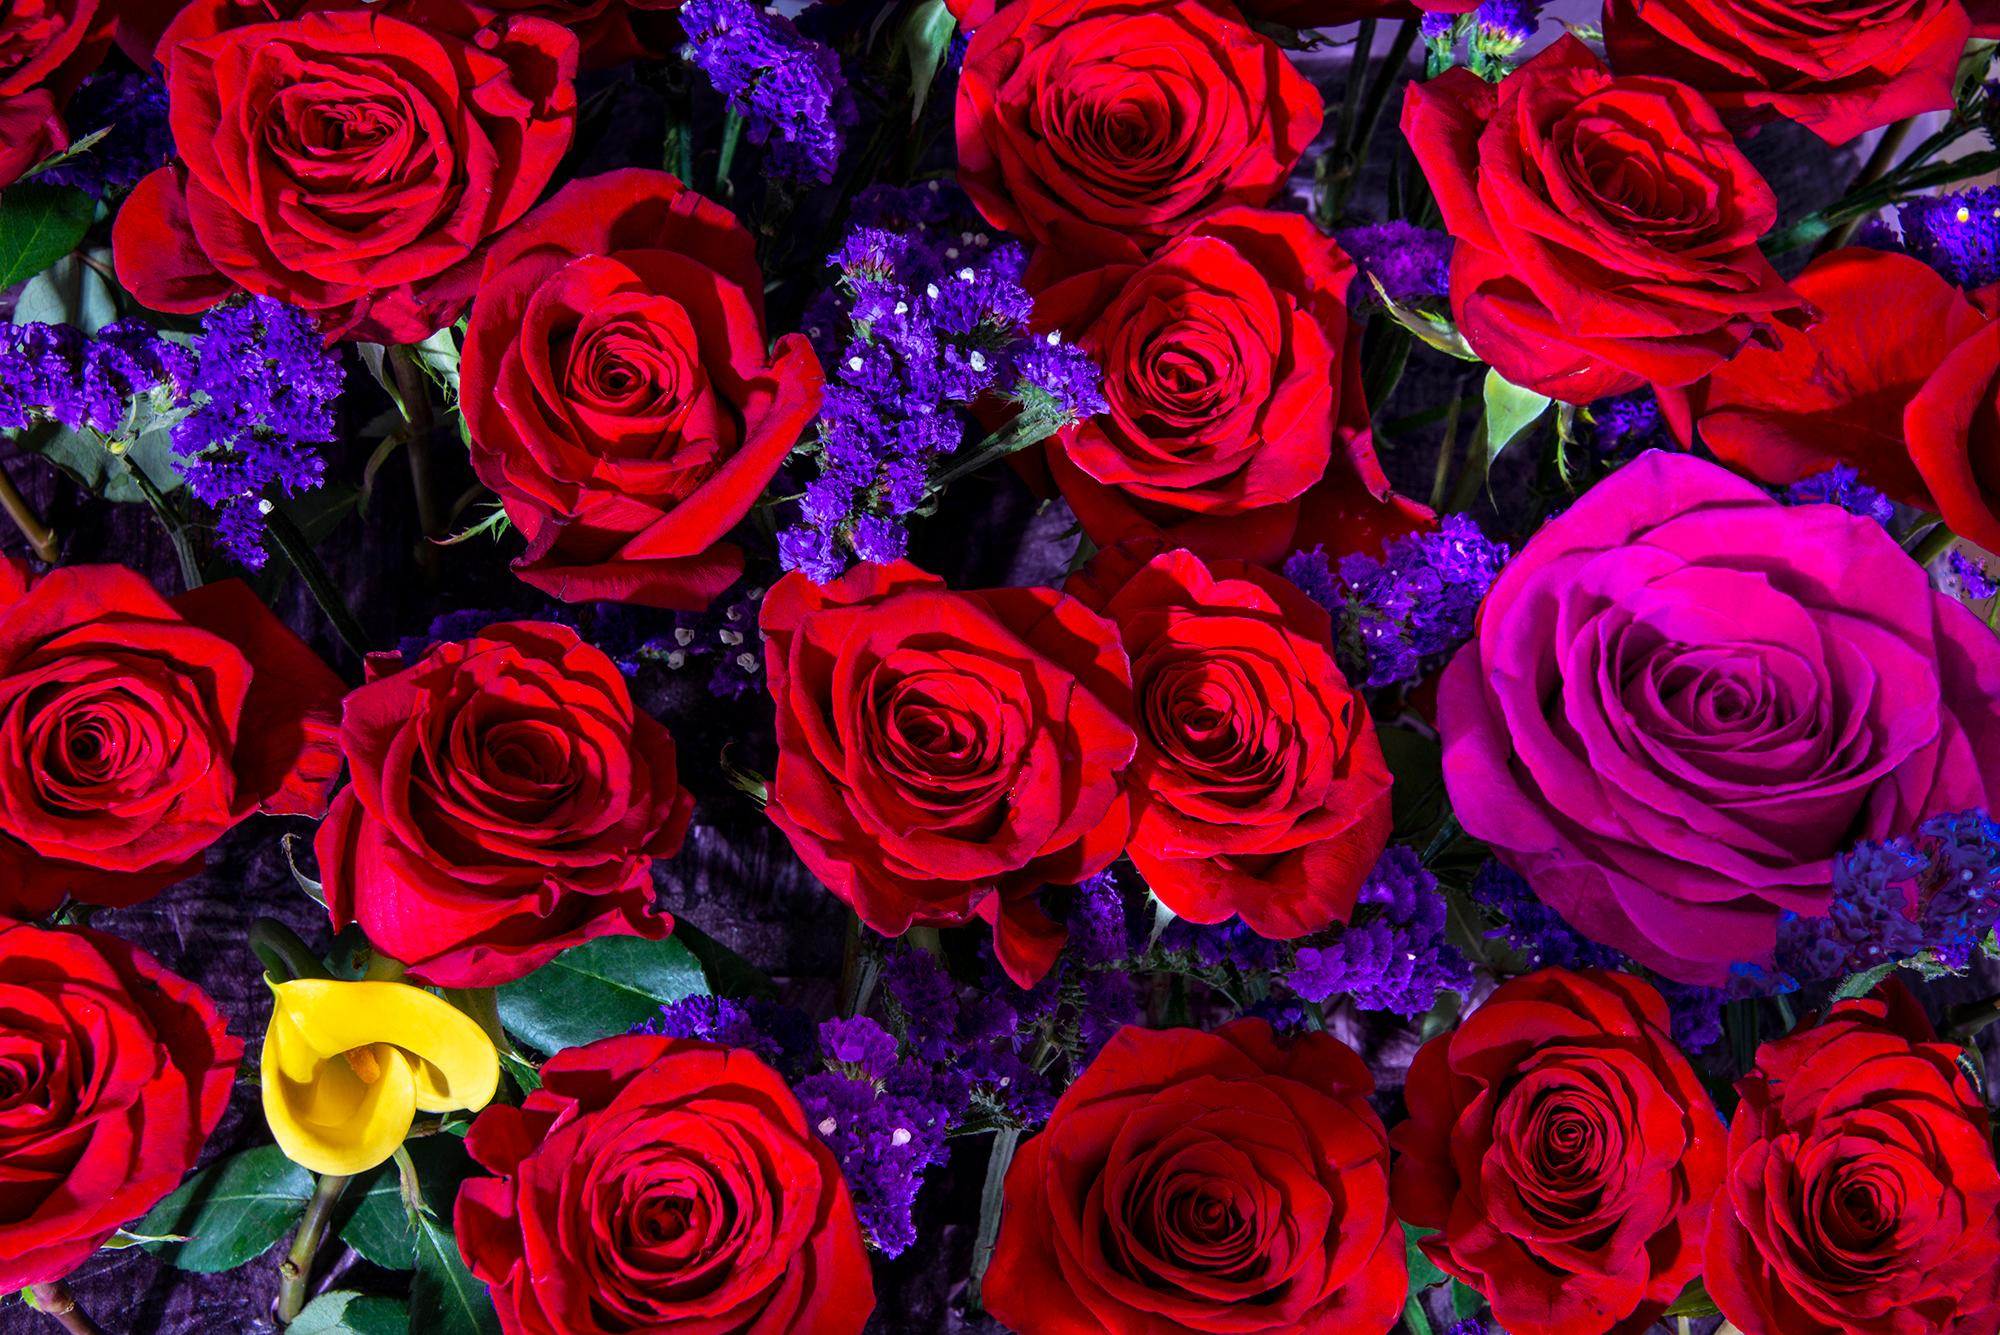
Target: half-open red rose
(1565, 1152)
(1223, 1184)
(112, 1073)
(1607, 227)
(1862, 1196)
(135, 731)
(1259, 789)
(46, 47)
(508, 800)
(621, 393)
(1082, 121)
(349, 162)
(1840, 69)
(654, 1186)
(943, 755)
(1232, 371)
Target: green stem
(1378, 92)
(54, 1299)
(296, 1269)
(293, 545)
(1027, 429)
(732, 134)
(384, 969)
(40, 536)
(1873, 170)
(1935, 544)
(156, 501)
(283, 954)
(1357, 74)
(991, 1197)
(1474, 476)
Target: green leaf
(373, 1219)
(597, 989)
(1510, 410)
(1466, 1300)
(1424, 1272)
(926, 40)
(231, 1211)
(1861, 984)
(1693, 1301)
(438, 357)
(445, 1299)
(39, 224)
(69, 292)
(342, 1313)
(1435, 331)
(728, 973)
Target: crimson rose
(1083, 121)
(943, 755)
(621, 395)
(46, 47)
(1233, 378)
(1259, 788)
(135, 731)
(655, 1185)
(1607, 227)
(1566, 1153)
(507, 803)
(112, 1073)
(1839, 69)
(1862, 1197)
(349, 162)
(1224, 1183)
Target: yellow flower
(347, 1066)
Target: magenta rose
(1685, 698)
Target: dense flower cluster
(1398, 961)
(788, 89)
(1956, 234)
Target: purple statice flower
(885, 1137)
(1840, 485)
(1502, 27)
(133, 109)
(1695, 1012)
(725, 636)
(787, 88)
(1625, 423)
(57, 373)
(1960, 901)
(858, 1047)
(1097, 929)
(1411, 263)
(1394, 958)
(926, 1001)
(1214, 946)
(1867, 920)
(1532, 928)
(1396, 615)
(928, 320)
(1471, 1325)
(1973, 576)
(1956, 234)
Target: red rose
(1565, 1151)
(350, 163)
(1839, 69)
(507, 803)
(46, 47)
(620, 394)
(112, 1073)
(1607, 227)
(654, 1185)
(943, 755)
(1259, 788)
(1233, 375)
(1224, 1183)
(1862, 1197)
(135, 731)
(1082, 121)
(1851, 388)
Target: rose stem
(414, 386)
(55, 1298)
(292, 542)
(1378, 92)
(1005, 1141)
(1873, 170)
(298, 1263)
(39, 535)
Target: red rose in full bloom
(46, 47)
(1607, 227)
(656, 1185)
(1259, 788)
(508, 800)
(112, 1073)
(1908, 402)
(1233, 378)
(621, 393)
(1566, 1153)
(350, 163)
(1224, 1184)
(1839, 69)
(943, 755)
(1082, 118)
(135, 731)
(1862, 1197)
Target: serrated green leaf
(1510, 410)
(373, 1219)
(343, 1313)
(445, 1299)
(1861, 984)
(39, 224)
(597, 989)
(230, 1212)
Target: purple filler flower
(787, 88)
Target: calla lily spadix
(348, 1065)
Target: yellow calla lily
(347, 1066)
